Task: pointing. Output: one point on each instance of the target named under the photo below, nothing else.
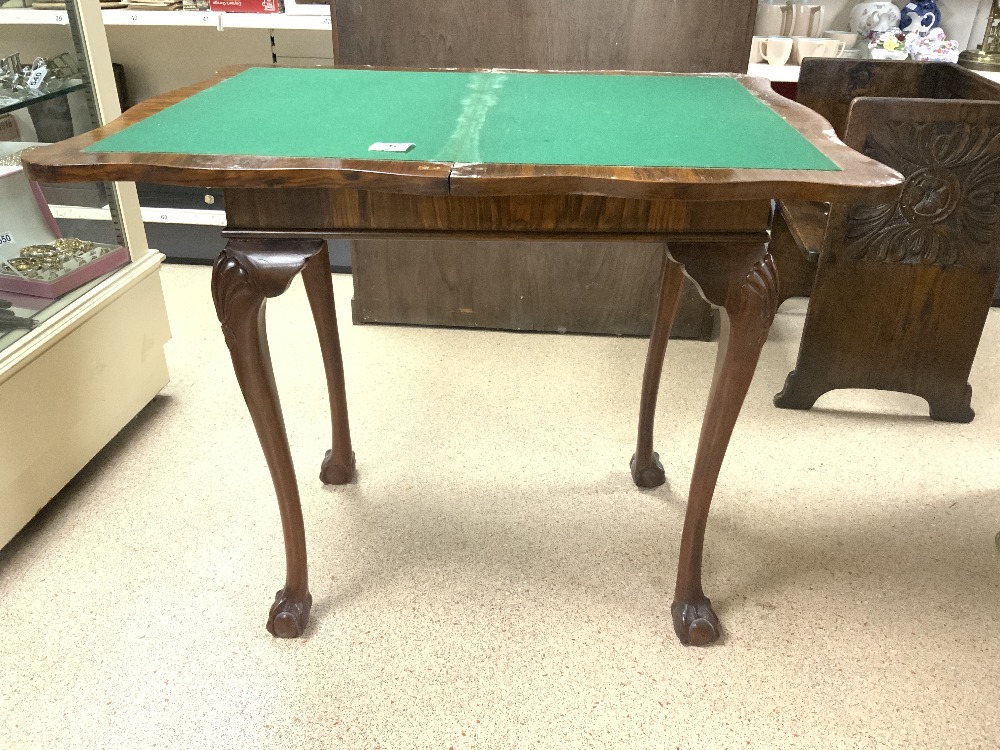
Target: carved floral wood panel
(948, 211)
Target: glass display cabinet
(82, 317)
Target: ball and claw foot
(331, 473)
(651, 475)
(288, 616)
(695, 623)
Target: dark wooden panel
(806, 221)
(664, 35)
(957, 82)
(829, 86)
(796, 270)
(517, 286)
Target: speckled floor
(493, 579)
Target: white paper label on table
(400, 148)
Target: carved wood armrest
(807, 223)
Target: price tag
(399, 148)
(36, 76)
(6, 238)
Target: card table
(690, 162)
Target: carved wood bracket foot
(794, 396)
(954, 406)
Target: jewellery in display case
(73, 246)
(49, 262)
(45, 257)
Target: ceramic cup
(776, 49)
(832, 48)
(814, 46)
(773, 20)
(807, 20)
(755, 54)
(849, 38)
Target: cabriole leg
(338, 464)
(745, 286)
(647, 471)
(246, 273)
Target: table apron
(376, 234)
(328, 212)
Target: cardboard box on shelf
(246, 6)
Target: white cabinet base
(74, 390)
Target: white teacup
(814, 46)
(755, 54)
(832, 48)
(776, 49)
(849, 38)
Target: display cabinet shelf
(205, 19)
(27, 101)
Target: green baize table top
(503, 117)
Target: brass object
(38, 251)
(21, 264)
(44, 257)
(987, 55)
(72, 245)
(47, 262)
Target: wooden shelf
(782, 73)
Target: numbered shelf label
(159, 18)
